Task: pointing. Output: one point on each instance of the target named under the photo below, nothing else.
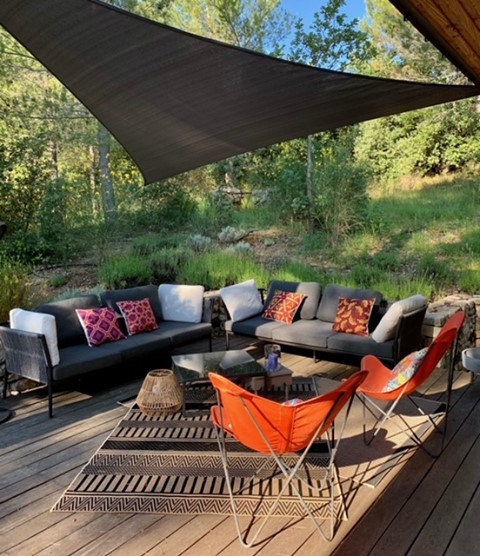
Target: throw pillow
(284, 306)
(38, 323)
(387, 326)
(405, 369)
(242, 300)
(353, 316)
(138, 316)
(181, 303)
(100, 325)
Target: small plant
(15, 287)
(227, 235)
(125, 271)
(241, 248)
(58, 281)
(200, 243)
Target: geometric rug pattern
(172, 466)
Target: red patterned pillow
(353, 315)
(100, 325)
(138, 316)
(283, 306)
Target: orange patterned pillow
(283, 306)
(353, 315)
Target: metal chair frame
(325, 428)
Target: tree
(428, 141)
(332, 42)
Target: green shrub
(217, 269)
(125, 271)
(16, 288)
(166, 263)
(150, 243)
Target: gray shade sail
(177, 101)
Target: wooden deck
(429, 507)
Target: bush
(340, 191)
(217, 269)
(125, 271)
(15, 287)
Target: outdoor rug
(173, 466)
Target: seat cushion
(81, 359)
(311, 290)
(184, 332)
(360, 345)
(257, 326)
(69, 329)
(309, 333)
(144, 344)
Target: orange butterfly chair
(374, 387)
(276, 429)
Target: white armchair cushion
(242, 300)
(38, 323)
(181, 303)
(387, 326)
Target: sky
(306, 8)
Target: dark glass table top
(232, 364)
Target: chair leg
(289, 474)
(5, 382)
(384, 416)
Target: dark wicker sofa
(27, 354)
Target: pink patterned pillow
(100, 325)
(138, 316)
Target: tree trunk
(105, 176)
(310, 196)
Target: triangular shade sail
(176, 101)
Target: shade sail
(177, 101)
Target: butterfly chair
(286, 433)
(376, 386)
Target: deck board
(429, 507)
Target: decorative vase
(160, 394)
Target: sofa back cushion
(69, 329)
(327, 310)
(109, 298)
(242, 300)
(38, 323)
(311, 290)
(181, 302)
(387, 327)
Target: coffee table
(192, 371)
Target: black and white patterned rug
(173, 466)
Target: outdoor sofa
(49, 344)
(394, 330)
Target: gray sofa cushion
(311, 289)
(327, 309)
(184, 332)
(80, 359)
(257, 326)
(109, 298)
(360, 345)
(143, 344)
(309, 333)
(69, 329)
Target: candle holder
(273, 355)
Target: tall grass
(16, 288)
